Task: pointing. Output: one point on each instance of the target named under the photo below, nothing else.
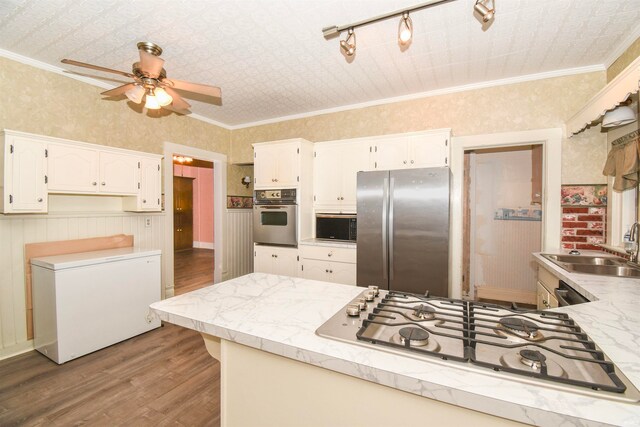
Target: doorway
(219, 195)
(502, 223)
(193, 220)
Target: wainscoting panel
(238, 242)
(15, 231)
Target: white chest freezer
(83, 302)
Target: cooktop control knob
(369, 295)
(362, 303)
(353, 310)
(374, 289)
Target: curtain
(623, 161)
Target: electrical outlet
(147, 222)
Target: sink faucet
(633, 253)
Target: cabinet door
(150, 184)
(342, 272)
(354, 158)
(314, 269)
(327, 180)
(264, 168)
(288, 165)
(285, 262)
(262, 259)
(72, 169)
(542, 297)
(118, 173)
(426, 151)
(26, 190)
(391, 154)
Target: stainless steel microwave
(336, 227)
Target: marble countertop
(280, 314)
(328, 243)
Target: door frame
(551, 141)
(219, 204)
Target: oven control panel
(287, 195)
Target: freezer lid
(80, 259)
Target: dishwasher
(566, 295)
(83, 302)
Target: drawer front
(547, 279)
(326, 253)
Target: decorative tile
(584, 195)
(239, 202)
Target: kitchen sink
(605, 266)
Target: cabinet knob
(40, 199)
(405, 162)
(103, 183)
(329, 254)
(411, 161)
(341, 198)
(326, 271)
(337, 198)
(330, 271)
(144, 200)
(276, 256)
(94, 183)
(276, 179)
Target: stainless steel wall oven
(275, 216)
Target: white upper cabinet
(336, 167)
(72, 169)
(24, 176)
(118, 173)
(150, 184)
(276, 165)
(417, 150)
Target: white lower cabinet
(329, 264)
(275, 260)
(546, 285)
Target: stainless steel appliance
(403, 230)
(275, 215)
(336, 227)
(541, 347)
(566, 295)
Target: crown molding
(431, 93)
(94, 82)
(622, 47)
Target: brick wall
(583, 227)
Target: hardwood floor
(163, 377)
(193, 268)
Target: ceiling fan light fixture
(163, 97)
(348, 46)
(485, 12)
(151, 102)
(405, 29)
(135, 94)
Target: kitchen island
(277, 371)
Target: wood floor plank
(193, 269)
(163, 377)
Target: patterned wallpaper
(624, 60)
(530, 105)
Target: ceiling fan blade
(150, 64)
(96, 67)
(178, 103)
(176, 110)
(194, 87)
(119, 90)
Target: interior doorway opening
(502, 223)
(193, 223)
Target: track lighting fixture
(483, 9)
(348, 45)
(405, 29)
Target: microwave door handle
(560, 296)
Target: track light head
(348, 46)
(485, 12)
(405, 29)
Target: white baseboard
(15, 350)
(203, 245)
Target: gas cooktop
(543, 347)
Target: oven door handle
(560, 296)
(272, 207)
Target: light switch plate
(147, 222)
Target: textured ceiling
(270, 59)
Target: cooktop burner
(538, 345)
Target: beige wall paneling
(238, 259)
(18, 230)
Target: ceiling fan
(152, 84)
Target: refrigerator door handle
(385, 211)
(390, 247)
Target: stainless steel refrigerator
(403, 230)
